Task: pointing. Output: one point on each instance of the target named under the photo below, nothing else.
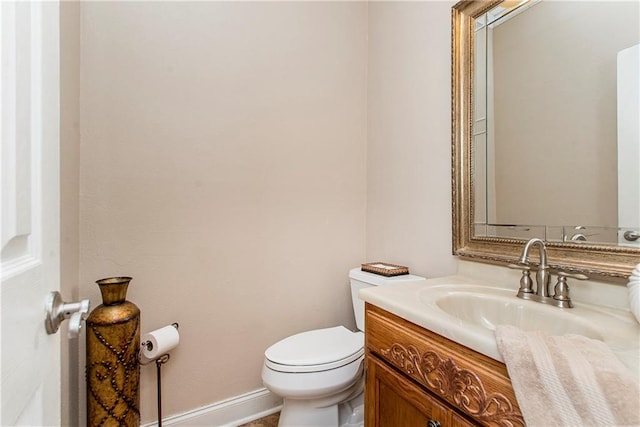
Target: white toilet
(319, 373)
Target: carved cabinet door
(392, 400)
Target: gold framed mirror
(599, 260)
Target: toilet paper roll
(159, 342)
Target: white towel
(568, 381)
(634, 292)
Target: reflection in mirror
(504, 158)
(555, 121)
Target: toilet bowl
(314, 372)
(319, 373)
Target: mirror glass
(555, 149)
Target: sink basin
(490, 310)
(468, 312)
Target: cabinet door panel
(458, 421)
(392, 400)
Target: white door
(29, 211)
(629, 143)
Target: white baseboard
(229, 412)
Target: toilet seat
(315, 351)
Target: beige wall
(69, 192)
(223, 150)
(409, 136)
(225, 165)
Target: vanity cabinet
(418, 378)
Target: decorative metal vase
(113, 369)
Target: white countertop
(416, 302)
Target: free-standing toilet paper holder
(161, 360)
(148, 345)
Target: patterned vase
(113, 369)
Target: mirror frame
(606, 261)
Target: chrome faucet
(542, 293)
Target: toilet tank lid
(378, 280)
(316, 347)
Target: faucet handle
(561, 291)
(519, 266)
(578, 276)
(526, 284)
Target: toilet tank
(361, 279)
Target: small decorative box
(385, 269)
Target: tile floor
(269, 421)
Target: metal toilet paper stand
(161, 360)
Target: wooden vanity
(418, 378)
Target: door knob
(57, 311)
(631, 235)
